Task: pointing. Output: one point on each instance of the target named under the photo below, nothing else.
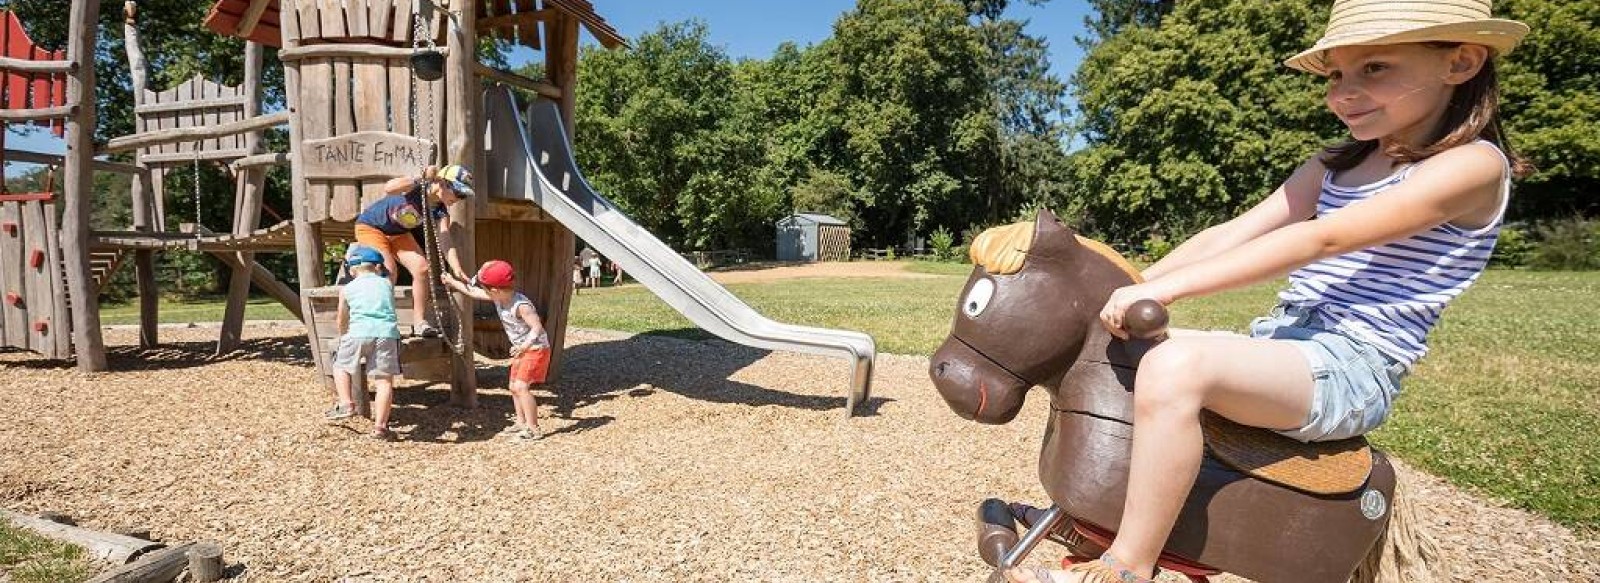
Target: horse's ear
(1051, 237)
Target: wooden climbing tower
(48, 304)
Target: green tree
(1030, 165)
(655, 136)
(918, 129)
(1190, 117)
(1550, 96)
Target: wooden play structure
(374, 89)
(357, 114)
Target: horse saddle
(1326, 468)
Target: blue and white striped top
(1391, 295)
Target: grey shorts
(382, 355)
(1356, 384)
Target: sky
(754, 29)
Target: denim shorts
(1356, 384)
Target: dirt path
(669, 460)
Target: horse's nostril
(941, 368)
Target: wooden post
(144, 261)
(79, 185)
(561, 66)
(247, 207)
(100, 546)
(307, 243)
(465, 97)
(205, 560)
(162, 565)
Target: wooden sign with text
(365, 155)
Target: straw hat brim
(1497, 34)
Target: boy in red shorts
(530, 354)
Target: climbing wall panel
(32, 289)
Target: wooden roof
(511, 20)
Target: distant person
(369, 330)
(577, 274)
(392, 225)
(594, 270)
(530, 346)
(616, 273)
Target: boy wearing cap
(496, 282)
(369, 329)
(392, 226)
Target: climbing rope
(436, 253)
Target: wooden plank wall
(343, 95)
(30, 90)
(31, 281)
(542, 258)
(195, 103)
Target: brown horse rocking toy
(1263, 507)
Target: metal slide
(530, 152)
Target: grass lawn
(28, 558)
(195, 310)
(1503, 404)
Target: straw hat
(1388, 22)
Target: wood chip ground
(666, 460)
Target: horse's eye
(977, 298)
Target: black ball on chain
(428, 65)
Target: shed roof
(258, 20)
(819, 219)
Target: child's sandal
(1106, 569)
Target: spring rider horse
(1264, 506)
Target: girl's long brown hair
(1473, 113)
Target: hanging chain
(430, 233)
(196, 179)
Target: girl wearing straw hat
(1406, 215)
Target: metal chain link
(429, 229)
(196, 180)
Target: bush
(1568, 244)
(1156, 247)
(1513, 248)
(943, 244)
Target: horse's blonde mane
(1002, 250)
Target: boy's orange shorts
(531, 366)
(391, 245)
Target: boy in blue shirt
(392, 226)
(369, 328)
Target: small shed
(813, 237)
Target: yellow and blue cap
(458, 178)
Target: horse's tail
(1404, 553)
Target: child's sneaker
(529, 434)
(425, 329)
(512, 430)
(340, 411)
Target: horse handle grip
(1145, 319)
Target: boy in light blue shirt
(369, 328)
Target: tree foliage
(1191, 117)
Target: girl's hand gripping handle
(1146, 319)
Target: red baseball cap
(497, 273)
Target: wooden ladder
(104, 264)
